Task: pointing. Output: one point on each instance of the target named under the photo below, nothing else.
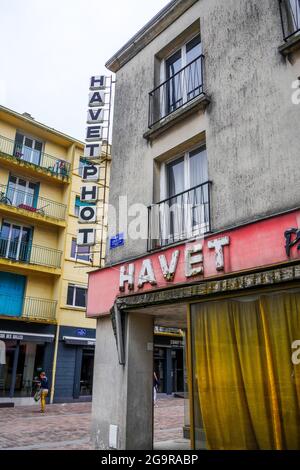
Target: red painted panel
(255, 245)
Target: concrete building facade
(208, 145)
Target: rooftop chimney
(28, 115)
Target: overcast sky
(50, 48)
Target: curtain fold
(248, 388)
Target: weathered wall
(252, 139)
(252, 130)
(108, 406)
(115, 398)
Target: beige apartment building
(43, 273)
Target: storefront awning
(79, 341)
(19, 335)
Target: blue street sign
(117, 240)
(81, 332)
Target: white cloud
(50, 48)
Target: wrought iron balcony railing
(180, 217)
(28, 307)
(178, 90)
(26, 252)
(40, 309)
(55, 166)
(28, 200)
(290, 18)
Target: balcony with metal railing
(16, 250)
(29, 308)
(181, 217)
(177, 94)
(28, 201)
(34, 159)
(290, 20)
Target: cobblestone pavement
(67, 426)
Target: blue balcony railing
(26, 252)
(28, 200)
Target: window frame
(194, 230)
(18, 189)
(21, 227)
(182, 49)
(34, 139)
(81, 260)
(75, 287)
(163, 170)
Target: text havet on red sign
(241, 250)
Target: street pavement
(67, 426)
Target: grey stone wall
(252, 127)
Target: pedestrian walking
(42, 390)
(155, 387)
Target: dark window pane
(70, 295)
(19, 138)
(28, 142)
(193, 49)
(73, 248)
(83, 253)
(174, 85)
(80, 297)
(175, 177)
(38, 146)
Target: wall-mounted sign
(240, 250)
(117, 240)
(99, 85)
(292, 238)
(81, 332)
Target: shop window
(159, 368)
(87, 369)
(245, 382)
(30, 357)
(80, 252)
(76, 296)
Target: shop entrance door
(171, 419)
(87, 370)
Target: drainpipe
(54, 365)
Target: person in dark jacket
(44, 390)
(155, 387)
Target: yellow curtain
(248, 388)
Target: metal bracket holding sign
(95, 170)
